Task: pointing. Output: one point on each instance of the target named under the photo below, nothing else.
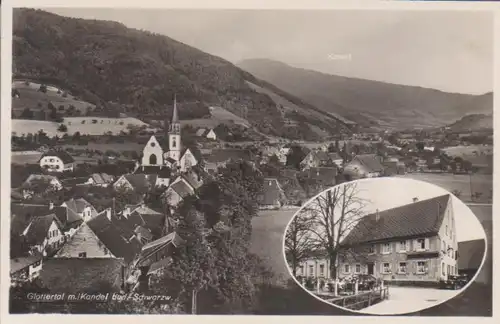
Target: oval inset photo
(384, 246)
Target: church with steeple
(169, 155)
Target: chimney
(377, 216)
(415, 199)
(51, 205)
(108, 213)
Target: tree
(62, 128)
(194, 267)
(295, 156)
(43, 88)
(333, 215)
(298, 241)
(420, 146)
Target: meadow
(84, 125)
(462, 183)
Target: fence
(362, 300)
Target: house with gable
(44, 235)
(25, 268)
(138, 182)
(57, 161)
(38, 183)
(272, 196)
(81, 207)
(316, 159)
(364, 166)
(22, 214)
(414, 244)
(177, 192)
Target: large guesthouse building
(411, 244)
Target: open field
(267, 238)
(463, 183)
(218, 116)
(30, 98)
(464, 151)
(31, 158)
(84, 125)
(103, 147)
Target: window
(311, 270)
(443, 272)
(386, 267)
(371, 249)
(174, 143)
(421, 244)
(321, 269)
(347, 268)
(402, 267)
(421, 267)
(403, 246)
(51, 160)
(153, 144)
(82, 254)
(358, 268)
(386, 248)
(449, 269)
(444, 246)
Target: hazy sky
(450, 51)
(387, 193)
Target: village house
(44, 234)
(414, 244)
(364, 166)
(470, 257)
(80, 206)
(177, 192)
(23, 214)
(273, 196)
(154, 257)
(207, 133)
(319, 179)
(100, 179)
(57, 161)
(38, 183)
(162, 174)
(25, 268)
(220, 157)
(316, 159)
(138, 182)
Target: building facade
(414, 243)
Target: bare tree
(333, 215)
(298, 241)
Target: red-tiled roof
(470, 254)
(416, 219)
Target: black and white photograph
(398, 250)
(160, 157)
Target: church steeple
(174, 134)
(175, 126)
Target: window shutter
(427, 246)
(381, 267)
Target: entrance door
(370, 268)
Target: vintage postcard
(218, 160)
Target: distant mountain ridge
(107, 64)
(369, 102)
